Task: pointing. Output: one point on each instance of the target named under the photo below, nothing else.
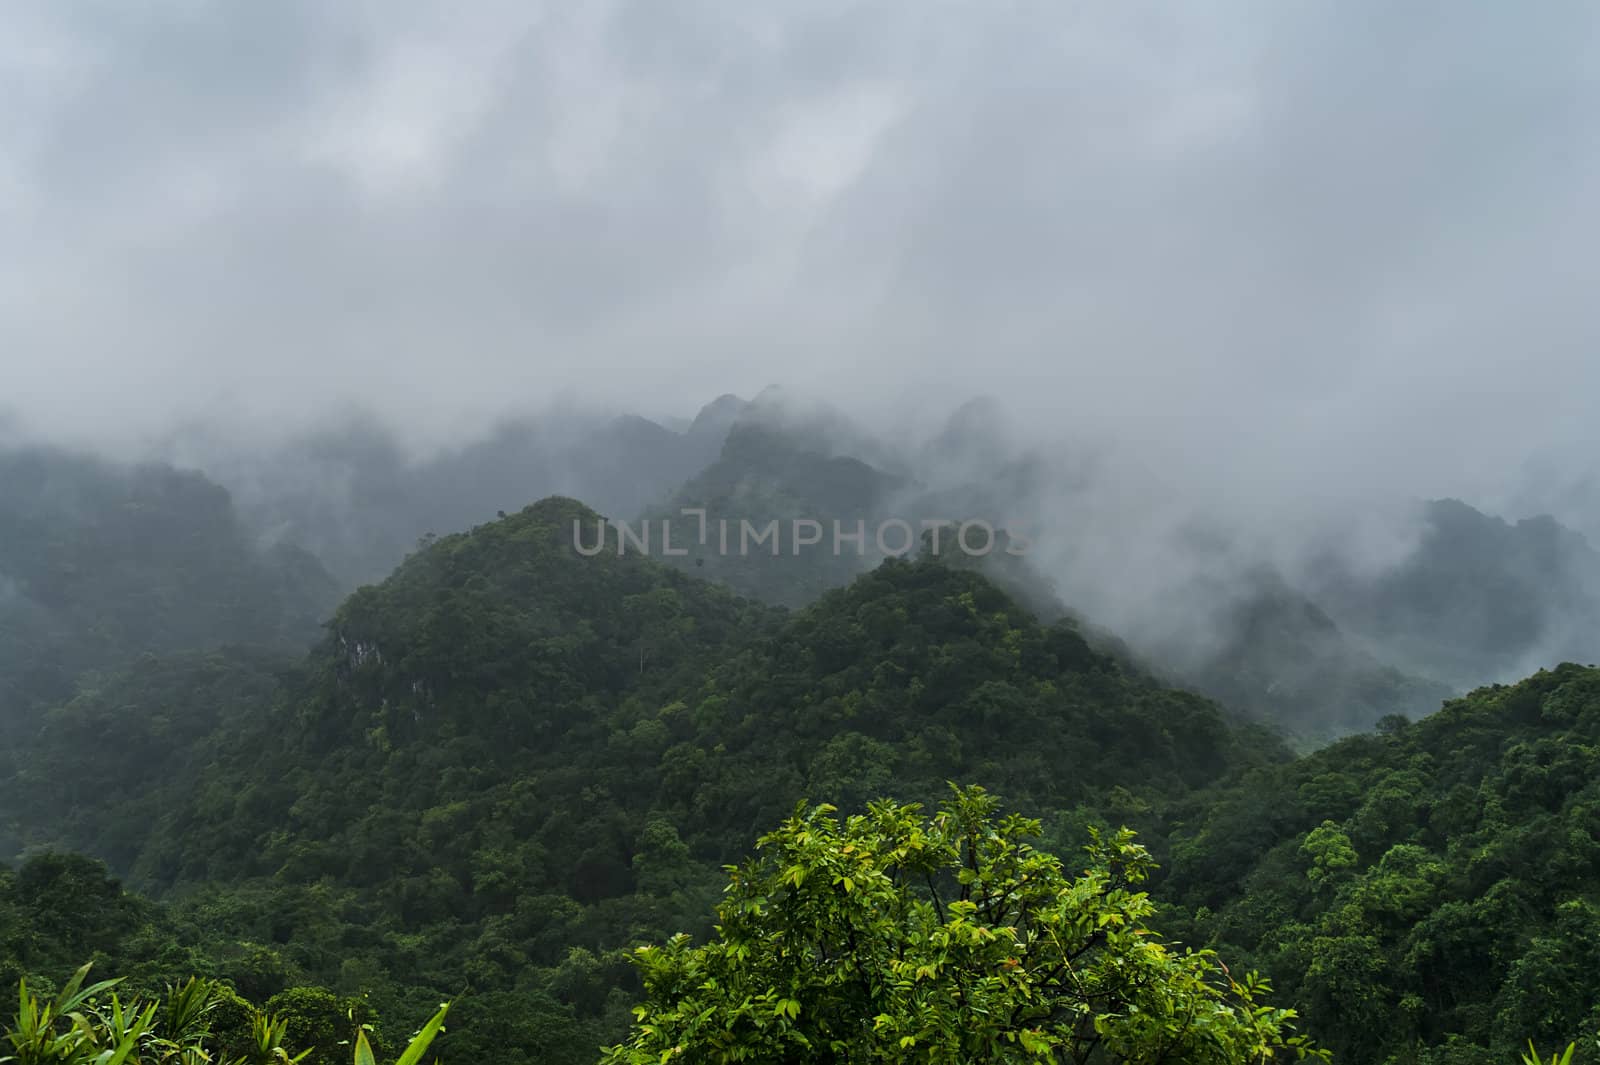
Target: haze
(1323, 250)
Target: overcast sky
(1345, 242)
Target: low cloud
(1280, 254)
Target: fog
(1275, 270)
(1260, 341)
(1313, 246)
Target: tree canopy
(888, 936)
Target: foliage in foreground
(887, 937)
(1564, 1057)
(891, 936)
(196, 1023)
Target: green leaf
(363, 1050)
(419, 1045)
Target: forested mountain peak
(514, 609)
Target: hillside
(1248, 639)
(1425, 894)
(508, 753)
(1260, 646)
(101, 563)
(1479, 599)
(509, 762)
(359, 499)
(1318, 647)
(764, 474)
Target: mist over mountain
(513, 756)
(101, 563)
(1164, 233)
(1479, 598)
(1323, 635)
(803, 532)
(464, 703)
(1322, 623)
(360, 498)
(509, 758)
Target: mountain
(1239, 632)
(1424, 894)
(1479, 598)
(511, 761)
(712, 422)
(515, 757)
(505, 649)
(151, 727)
(508, 761)
(764, 475)
(359, 500)
(814, 425)
(1263, 648)
(102, 563)
(1318, 649)
(1331, 648)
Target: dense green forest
(698, 533)
(101, 563)
(504, 769)
(1425, 893)
(508, 764)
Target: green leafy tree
(1330, 852)
(323, 1021)
(891, 936)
